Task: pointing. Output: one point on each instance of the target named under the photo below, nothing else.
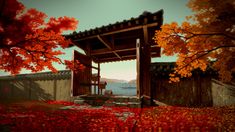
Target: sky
(96, 13)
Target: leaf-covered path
(48, 117)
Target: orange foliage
(208, 38)
(27, 41)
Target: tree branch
(211, 34)
(207, 52)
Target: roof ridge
(40, 76)
(144, 14)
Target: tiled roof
(140, 20)
(163, 69)
(117, 42)
(65, 74)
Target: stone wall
(223, 94)
(39, 86)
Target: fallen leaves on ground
(17, 118)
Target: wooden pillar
(138, 87)
(94, 81)
(88, 53)
(143, 61)
(99, 78)
(146, 59)
(143, 57)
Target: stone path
(116, 101)
(97, 102)
(120, 115)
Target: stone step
(128, 104)
(134, 104)
(117, 101)
(124, 99)
(107, 103)
(79, 101)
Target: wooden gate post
(143, 61)
(138, 87)
(99, 79)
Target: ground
(66, 116)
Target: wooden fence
(202, 89)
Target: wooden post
(143, 60)
(94, 81)
(99, 78)
(94, 89)
(138, 68)
(146, 58)
(88, 53)
(147, 62)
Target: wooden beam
(108, 45)
(123, 57)
(119, 49)
(127, 57)
(119, 31)
(134, 36)
(105, 51)
(116, 49)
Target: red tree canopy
(210, 38)
(27, 41)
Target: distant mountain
(132, 81)
(113, 80)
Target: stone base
(111, 101)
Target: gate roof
(117, 42)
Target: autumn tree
(27, 41)
(207, 38)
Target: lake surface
(118, 90)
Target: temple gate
(126, 40)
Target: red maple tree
(27, 41)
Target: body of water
(118, 90)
